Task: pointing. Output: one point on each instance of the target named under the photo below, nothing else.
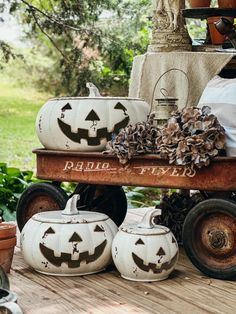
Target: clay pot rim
(7, 230)
(7, 243)
(229, 4)
(195, 3)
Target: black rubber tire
(39, 197)
(202, 216)
(107, 199)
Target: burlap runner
(183, 74)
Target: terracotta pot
(7, 231)
(227, 4)
(7, 244)
(199, 3)
(216, 37)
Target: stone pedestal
(169, 31)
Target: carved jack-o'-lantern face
(86, 124)
(143, 257)
(76, 246)
(76, 257)
(93, 134)
(158, 266)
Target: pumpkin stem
(147, 221)
(71, 206)
(93, 90)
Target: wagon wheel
(209, 238)
(39, 197)
(107, 199)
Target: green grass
(18, 111)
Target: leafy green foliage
(142, 196)
(7, 53)
(84, 41)
(12, 183)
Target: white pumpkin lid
(95, 94)
(70, 214)
(147, 226)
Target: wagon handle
(147, 221)
(71, 206)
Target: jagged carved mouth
(67, 257)
(152, 266)
(102, 133)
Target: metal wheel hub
(217, 239)
(216, 235)
(40, 204)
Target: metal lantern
(164, 107)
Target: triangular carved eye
(140, 241)
(75, 238)
(161, 252)
(173, 240)
(119, 106)
(98, 229)
(92, 116)
(49, 231)
(66, 107)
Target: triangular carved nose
(92, 116)
(161, 252)
(75, 238)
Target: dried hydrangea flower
(191, 136)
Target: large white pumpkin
(86, 123)
(68, 242)
(145, 252)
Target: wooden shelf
(204, 13)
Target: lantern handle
(164, 92)
(158, 80)
(93, 90)
(71, 206)
(147, 221)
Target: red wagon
(209, 231)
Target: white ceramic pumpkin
(145, 252)
(86, 123)
(68, 242)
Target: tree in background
(78, 41)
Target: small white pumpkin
(86, 123)
(68, 242)
(145, 252)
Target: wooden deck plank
(186, 291)
(76, 291)
(27, 291)
(174, 296)
(185, 264)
